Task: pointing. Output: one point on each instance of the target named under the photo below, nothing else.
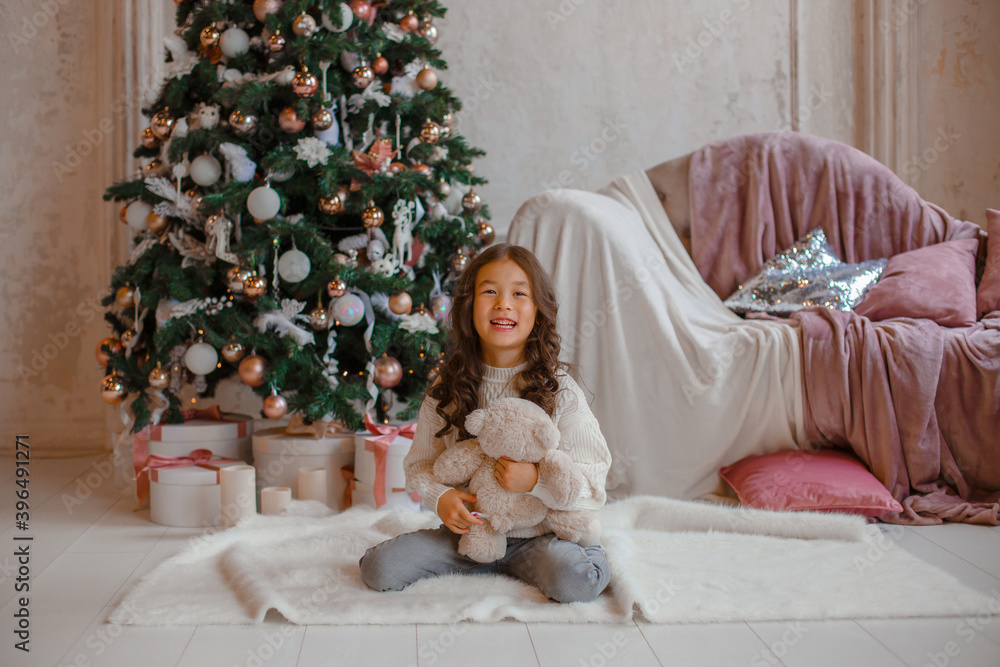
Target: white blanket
(681, 385)
(672, 561)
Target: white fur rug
(672, 562)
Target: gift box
(240, 449)
(188, 496)
(378, 459)
(221, 434)
(364, 494)
(278, 455)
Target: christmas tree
(302, 211)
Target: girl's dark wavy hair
(457, 387)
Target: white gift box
(365, 465)
(364, 494)
(189, 497)
(240, 448)
(232, 427)
(278, 456)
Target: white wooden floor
(89, 547)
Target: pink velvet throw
(919, 404)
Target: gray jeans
(564, 571)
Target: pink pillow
(937, 282)
(823, 481)
(988, 298)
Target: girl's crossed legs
(563, 571)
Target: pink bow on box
(380, 448)
(140, 445)
(203, 458)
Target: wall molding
(887, 113)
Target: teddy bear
(522, 431)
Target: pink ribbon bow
(203, 458)
(380, 448)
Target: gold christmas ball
(318, 319)
(113, 390)
(275, 407)
(485, 233)
(153, 166)
(362, 9)
(254, 286)
(304, 25)
(472, 202)
(430, 132)
(445, 132)
(128, 337)
(236, 276)
(210, 36)
(261, 8)
(458, 262)
(422, 169)
(122, 214)
(401, 304)
(156, 222)
(336, 288)
(162, 125)
(242, 122)
(159, 378)
(276, 43)
(305, 84)
(396, 167)
(233, 352)
(447, 119)
(443, 187)
(372, 216)
(148, 139)
(380, 65)
(330, 205)
(363, 76)
(427, 79)
(409, 23)
(322, 119)
(289, 120)
(251, 370)
(429, 32)
(388, 372)
(107, 348)
(125, 297)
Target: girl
(503, 343)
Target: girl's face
(503, 312)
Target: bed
(682, 386)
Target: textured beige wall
(53, 264)
(558, 92)
(956, 163)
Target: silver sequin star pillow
(807, 274)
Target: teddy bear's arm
(456, 464)
(562, 477)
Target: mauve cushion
(823, 481)
(988, 298)
(936, 282)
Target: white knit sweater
(581, 439)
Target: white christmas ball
(201, 358)
(234, 42)
(263, 203)
(294, 266)
(349, 60)
(205, 170)
(136, 215)
(346, 16)
(349, 309)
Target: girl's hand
(515, 476)
(453, 512)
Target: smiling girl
(503, 343)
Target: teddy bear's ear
(474, 421)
